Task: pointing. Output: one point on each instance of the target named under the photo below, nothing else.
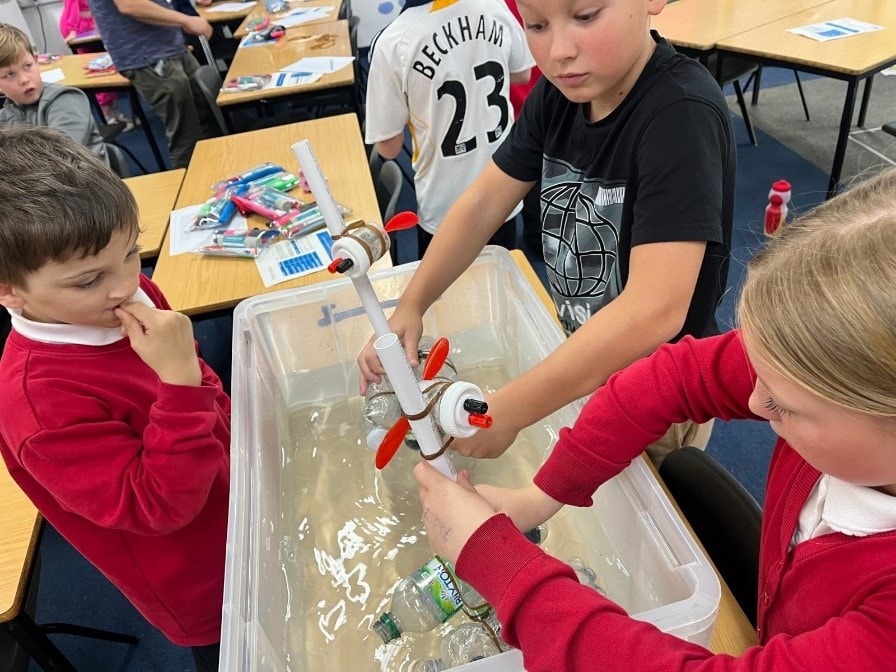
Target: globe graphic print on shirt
(580, 233)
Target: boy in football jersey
(445, 69)
(633, 146)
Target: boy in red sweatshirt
(109, 421)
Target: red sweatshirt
(133, 472)
(827, 604)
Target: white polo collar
(71, 334)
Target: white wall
(375, 15)
(28, 14)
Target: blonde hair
(13, 44)
(819, 303)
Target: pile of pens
(260, 191)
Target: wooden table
(260, 11)
(296, 44)
(156, 195)
(196, 284)
(72, 67)
(225, 17)
(732, 633)
(851, 59)
(698, 25)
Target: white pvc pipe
(372, 307)
(319, 187)
(411, 399)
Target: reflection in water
(349, 533)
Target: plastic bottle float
(458, 408)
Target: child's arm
(68, 37)
(648, 312)
(467, 227)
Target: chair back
(388, 187)
(209, 81)
(117, 161)
(723, 515)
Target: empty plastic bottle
(464, 644)
(427, 598)
(472, 641)
(381, 408)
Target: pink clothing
(133, 472)
(71, 19)
(827, 604)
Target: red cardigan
(827, 604)
(134, 473)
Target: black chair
(13, 655)
(109, 133)
(723, 515)
(387, 181)
(209, 80)
(889, 128)
(117, 161)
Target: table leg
(866, 97)
(843, 138)
(38, 645)
(138, 110)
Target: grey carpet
(780, 114)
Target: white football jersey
(443, 69)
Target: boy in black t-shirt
(635, 153)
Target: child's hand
(164, 340)
(408, 326)
(496, 439)
(527, 507)
(452, 512)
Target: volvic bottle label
(444, 588)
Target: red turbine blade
(391, 442)
(436, 358)
(402, 220)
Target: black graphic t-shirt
(659, 168)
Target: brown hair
(13, 43)
(57, 201)
(819, 303)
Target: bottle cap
(386, 627)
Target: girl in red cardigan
(816, 357)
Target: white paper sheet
(230, 7)
(297, 17)
(54, 75)
(295, 258)
(322, 64)
(182, 240)
(832, 30)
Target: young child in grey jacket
(31, 102)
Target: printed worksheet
(295, 257)
(832, 30)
